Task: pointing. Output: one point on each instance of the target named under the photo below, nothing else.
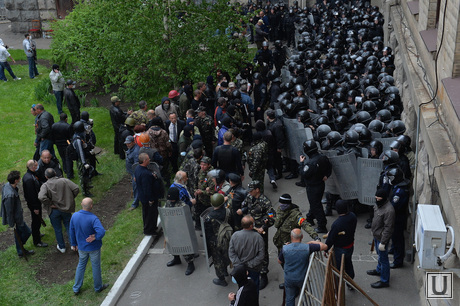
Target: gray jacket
(27, 45)
(57, 80)
(383, 222)
(11, 210)
(60, 192)
(247, 247)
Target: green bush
(163, 49)
(94, 102)
(42, 90)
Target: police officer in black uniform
(315, 172)
(62, 134)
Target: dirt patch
(57, 268)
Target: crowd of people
(333, 75)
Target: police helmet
(310, 147)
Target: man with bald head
(247, 248)
(86, 233)
(31, 187)
(47, 160)
(180, 182)
(295, 257)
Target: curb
(133, 264)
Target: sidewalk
(14, 41)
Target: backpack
(224, 234)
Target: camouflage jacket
(258, 157)
(238, 143)
(260, 209)
(192, 168)
(206, 127)
(286, 221)
(140, 116)
(159, 140)
(203, 183)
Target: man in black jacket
(62, 133)
(31, 187)
(118, 117)
(276, 127)
(72, 101)
(44, 123)
(174, 127)
(47, 160)
(315, 172)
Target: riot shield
(285, 75)
(180, 239)
(331, 182)
(386, 142)
(209, 260)
(344, 167)
(364, 153)
(312, 104)
(296, 134)
(368, 178)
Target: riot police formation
(322, 100)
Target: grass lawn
(18, 284)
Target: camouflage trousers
(220, 260)
(265, 262)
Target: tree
(148, 46)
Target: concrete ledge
(125, 277)
(430, 39)
(128, 272)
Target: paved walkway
(155, 284)
(14, 41)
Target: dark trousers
(33, 72)
(265, 262)
(36, 223)
(75, 114)
(24, 234)
(149, 217)
(67, 163)
(278, 163)
(3, 66)
(314, 195)
(174, 156)
(348, 262)
(59, 96)
(116, 143)
(398, 239)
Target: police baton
(18, 239)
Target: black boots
(176, 261)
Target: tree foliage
(148, 46)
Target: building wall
(22, 12)
(438, 142)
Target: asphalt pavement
(154, 283)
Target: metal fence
(324, 284)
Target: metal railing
(324, 284)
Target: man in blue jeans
(12, 213)
(29, 49)
(86, 233)
(382, 229)
(4, 55)
(295, 258)
(58, 197)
